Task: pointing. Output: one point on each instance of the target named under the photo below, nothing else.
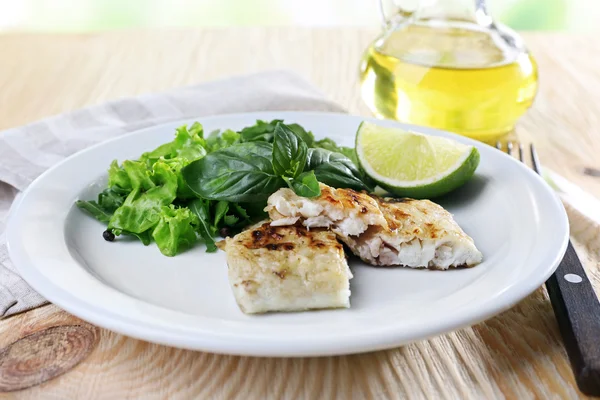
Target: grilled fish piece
(413, 233)
(346, 211)
(287, 268)
(420, 234)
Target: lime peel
(412, 164)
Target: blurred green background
(94, 15)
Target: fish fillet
(406, 232)
(287, 268)
(420, 234)
(345, 210)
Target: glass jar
(446, 64)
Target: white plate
(514, 217)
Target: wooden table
(518, 354)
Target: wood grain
(516, 355)
(44, 355)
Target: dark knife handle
(577, 311)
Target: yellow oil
(454, 77)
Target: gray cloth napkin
(28, 151)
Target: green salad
(197, 187)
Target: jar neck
(462, 10)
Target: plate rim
(129, 328)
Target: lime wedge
(411, 164)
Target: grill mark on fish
(277, 246)
(269, 237)
(392, 200)
(281, 274)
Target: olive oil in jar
(457, 77)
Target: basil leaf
(289, 152)
(241, 211)
(260, 132)
(94, 209)
(112, 198)
(239, 173)
(108, 201)
(236, 216)
(200, 208)
(306, 185)
(256, 210)
(220, 211)
(231, 220)
(329, 144)
(307, 136)
(335, 169)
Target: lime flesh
(411, 164)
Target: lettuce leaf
(141, 209)
(175, 230)
(189, 144)
(144, 237)
(138, 174)
(218, 140)
(117, 176)
(176, 164)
